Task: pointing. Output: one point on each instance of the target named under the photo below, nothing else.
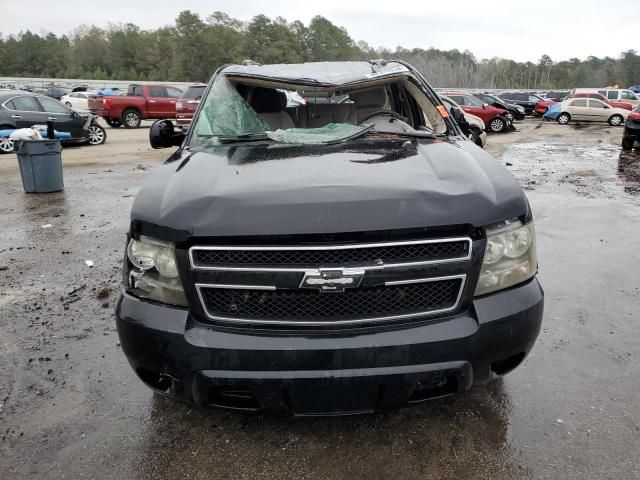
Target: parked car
(626, 106)
(556, 95)
(542, 106)
(24, 110)
(631, 133)
(374, 259)
(590, 110)
(612, 94)
(141, 102)
(476, 125)
(635, 88)
(516, 111)
(497, 119)
(188, 103)
(57, 92)
(77, 100)
(525, 100)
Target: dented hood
(361, 186)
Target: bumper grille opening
(155, 380)
(236, 398)
(304, 306)
(507, 364)
(291, 256)
(438, 386)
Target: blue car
(635, 88)
(553, 111)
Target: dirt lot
(70, 406)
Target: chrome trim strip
(463, 277)
(193, 265)
(238, 287)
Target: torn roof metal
(328, 74)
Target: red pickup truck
(141, 102)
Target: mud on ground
(72, 408)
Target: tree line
(193, 47)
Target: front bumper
(339, 372)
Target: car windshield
(194, 92)
(246, 109)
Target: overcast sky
(516, 29)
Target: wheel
(564, 118)
(68, 104)
(113, 123)
(6, 145)
(131, 119)
(97, 135)
(627, 143)
(616, 120)
(475, 136)
(497, 125)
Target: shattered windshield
(241, 110)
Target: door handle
(51, 118)
(173, 101)
(16, 116)
(152, 101)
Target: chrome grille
(307, 307)
(286, 257)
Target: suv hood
(365, 185)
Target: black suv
(526, 100)
(516, 111)
(326, 257)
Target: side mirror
(163, 135)
(607, 106)
(458, 116)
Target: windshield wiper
(416, 134)
(247, 137)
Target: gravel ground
(70, 406)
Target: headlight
(509, 257)
(154, 273)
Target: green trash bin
(40, 165)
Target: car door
(597, 110)
(174, 94)
(158, 102)
(471, 105)
(63, 118)
(578, 109)
(25, 111)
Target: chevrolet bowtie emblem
(332, 279)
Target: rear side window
(581, 102)
(612, 95)
(137, 90)
(194, 93)
(24, 104)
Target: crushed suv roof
(321, 73)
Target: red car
(599, 96)
(541, 107)
(496, 119)
(187, 105)
(141, 102)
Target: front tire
(564, 118)
(113, 123)
(131, 118)
(497, 125)
(627, 143)
(6, 145)
(97, 134)
(68, 104)
(616, 120)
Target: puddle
(593, 166)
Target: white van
(612, 94)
